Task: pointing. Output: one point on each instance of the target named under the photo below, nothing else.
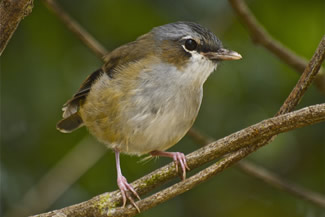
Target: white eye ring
(184, 45)
(190, 44)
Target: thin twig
(266, 175)
(261, 36)
(305, 79)
(108, 203)
(199, 137)
(278, 182)
(11, 13)
(80, 32)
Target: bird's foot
(126, 188)
(178, 157)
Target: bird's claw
(179, 158)
(126, 188)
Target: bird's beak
(223, 54)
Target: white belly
(162, 128)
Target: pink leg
(178, 157)
(123, 184)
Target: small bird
(146, 96)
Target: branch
(261, 36)
(267, 176)
(305, 79)
(107, 203)
(11, 13)
(298, 91)
(80, 32)
(278, 182)
(294, 97)
(200, 177)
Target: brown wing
(71, 118)
(72, 105)
(130, 52)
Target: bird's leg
(178, 157)
(123, 184)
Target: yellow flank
(101, 111)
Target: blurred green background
(44, 64)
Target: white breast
(165, 105)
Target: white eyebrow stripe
(187, 37)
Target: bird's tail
(69, 124)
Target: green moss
(105, 204)
(156, 177)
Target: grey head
(194, 37)
(181, 30)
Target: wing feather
(123, 55)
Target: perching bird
(148, 93)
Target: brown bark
(11, 13)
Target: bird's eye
(190, 44)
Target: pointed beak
(223, 54)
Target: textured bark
(266, 175)
(11, 13)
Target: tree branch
(11, 13)
(305, 79)
(262, 37)
(296, 94)
(80, 32)
(107, 203)
(267, 176)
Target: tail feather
(69, 124)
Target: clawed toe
(126, 188)
(179, 158)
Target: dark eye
(190, 44)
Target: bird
(147, 94)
